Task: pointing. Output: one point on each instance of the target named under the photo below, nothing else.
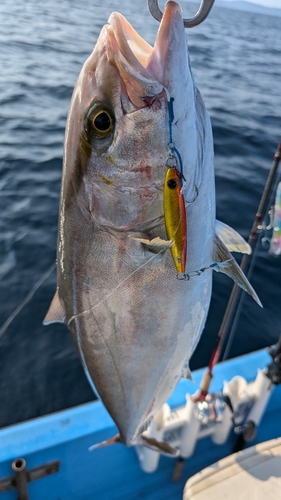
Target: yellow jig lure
(175, 218)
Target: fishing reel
(211, 409)
(265, 382)
(274, 226)
(274, 369)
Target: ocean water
(235, 58)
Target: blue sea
(235, 58)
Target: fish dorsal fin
(56, 312)
(231, 239)
(222, 254)
(155, 245)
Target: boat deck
(252, 473)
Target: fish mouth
(143, 69)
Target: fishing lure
(275, 243)
(175, 218)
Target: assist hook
(200, 16)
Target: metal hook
(196, 194)
(199, 17)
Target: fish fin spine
(56, 312)
(231, 239)
(233, 270)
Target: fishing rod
(260, 238)
(236, 291)
(252, 241)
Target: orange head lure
(175, 218)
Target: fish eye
(172, 183)
(99, 121)
(102, 121)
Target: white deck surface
(251, 474)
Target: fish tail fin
(107, 442)
(160, 446)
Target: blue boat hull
(113, 472)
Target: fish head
(117, 132)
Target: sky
(266, 3)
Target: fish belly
(135, 325)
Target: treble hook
(199, 17)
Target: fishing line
(192, 274)
(184, 276)
(27, 299)
(174, 159)
(116, 288)
(171, 145)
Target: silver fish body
(134, 323)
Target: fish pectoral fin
(160, 446)
(231, 239)
(230, 267)
(56, 312)
(156, 245)
(108, 442)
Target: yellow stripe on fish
(175, 218)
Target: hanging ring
(200, 16)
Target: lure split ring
(199, 17)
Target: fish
(135, 317)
